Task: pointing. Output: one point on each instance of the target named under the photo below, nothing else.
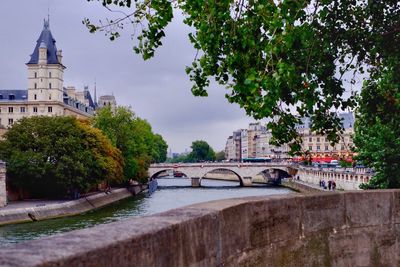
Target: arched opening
(271, 176)
(221, 177)
(171, 178)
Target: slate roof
(13, 95)
(45, 38)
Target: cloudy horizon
(158, 90)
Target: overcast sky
(157, 90)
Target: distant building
(252, 143)
(46, 94)
(319, 146)
(107, 101)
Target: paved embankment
(301, 186)
(27, 211)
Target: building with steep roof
(319, 146)
(46, 94)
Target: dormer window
(11, 97)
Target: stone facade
(3, 193)
(319, 146)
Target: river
(172, 193)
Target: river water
(172, 193)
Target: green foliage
(134, 137)
(56, 156)
(220, 156)
(274, 56)
(201, 151)
(378, 126)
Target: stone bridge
(244, 171)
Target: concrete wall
(63, 209)
(331, 229)
(3, 192)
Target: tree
(134, 137)
(201, 151)
(58, 156)
(377, 128)
(220, 156)
(275, 57)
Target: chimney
(59, 56)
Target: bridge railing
(364, 171)
(220, 164)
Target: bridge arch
(154, 176)
(240, 178)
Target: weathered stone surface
(369, 209)
(337, 229)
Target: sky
(158, 90)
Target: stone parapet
(346, 179)
(331, 229)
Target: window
(49, 85)
(10, 109)
(317, 139)
(35, 109)
(310, 148)
(50, 109)
(310, 139)
(34, 96)
(326, 148)
(35, 74)
(318, 148)
(10, 121)
(11, 97)
(1, 96)
(22, 109)
(35, 86)
(342, 148)
(49, 74)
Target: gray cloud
(158, 90)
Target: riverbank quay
(301, 186)
(357, 228)
(37, 210)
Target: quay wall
(300, 187)
(67, 208)
(345, 179)
(355, 228)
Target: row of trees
(201, 151)
(63, 156)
